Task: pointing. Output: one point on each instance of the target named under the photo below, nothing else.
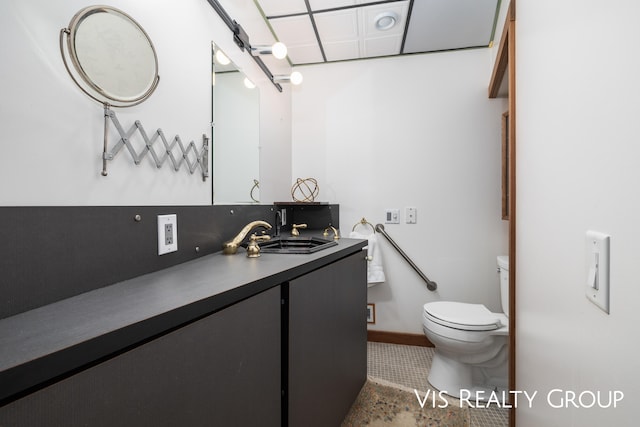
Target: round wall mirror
(112, 55)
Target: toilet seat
(464, 316)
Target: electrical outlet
(167, 233)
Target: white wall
(52, 133)
(410, 131)
(577, 159)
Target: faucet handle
(294, 229)
(263, 236)
(253, 249)
(336, 235)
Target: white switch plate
(167, 234)
(597, 280)
(392, 216)
(411, 215)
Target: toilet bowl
(471, 344)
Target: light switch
(597, 256)
(392, 216)
(592, 277)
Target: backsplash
(52, 253)
(317, 216)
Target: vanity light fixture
(386, 20)
(278, 50)
(241, 39)
(294, 78)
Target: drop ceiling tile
(349, 32)
(297, 33)
(308, 54)
(381, 46)
(339, 25)
(338, 51)
(282, 7)
(330, 4)
(450, 24)
(294, 30)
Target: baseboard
(399, 338)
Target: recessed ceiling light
(386, 20)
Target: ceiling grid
(317, 31)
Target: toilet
(471, 344)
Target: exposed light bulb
(296, 78)
(279, 50)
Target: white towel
(375, 272)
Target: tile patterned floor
(409, 366)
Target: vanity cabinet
(218, 341)
(221, 370)
(327, 342)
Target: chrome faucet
(231, 247)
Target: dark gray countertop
(50, 342)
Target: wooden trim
(502, 58)
(505, 165)
(399, 338)
(502, 61)
(512, 207)
(506, 63)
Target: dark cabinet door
(327, 342)
(222, 370)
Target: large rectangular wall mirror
(235, 116)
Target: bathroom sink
(295, 245)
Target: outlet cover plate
(392, 216)
(411, 215)
(167, 233)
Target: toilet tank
(503, 269)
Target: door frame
(506, 65)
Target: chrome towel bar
(431, 285)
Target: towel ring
(364, 222)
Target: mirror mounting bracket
(122, 90)
(189, 156)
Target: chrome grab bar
(431, 285)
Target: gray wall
(52, 253)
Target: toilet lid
(460, 315)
